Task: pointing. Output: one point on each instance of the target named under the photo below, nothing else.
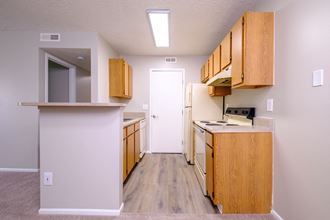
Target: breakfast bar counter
(80, 150)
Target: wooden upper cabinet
(126, 78)
(253, 50)
(130, 83)
(226, 51)
(120, 78)
(202, 73)
(237, 52)
(206, 71)
(210, 62)
(219, 90)
(217, 60)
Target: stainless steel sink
(128, 119)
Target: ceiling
(70, 55)
(196, 26)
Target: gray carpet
(19, 200)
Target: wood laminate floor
(166, 184)
(162, 187)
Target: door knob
(153, 116)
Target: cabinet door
(130, 153)
(237, 52)
(137, 146)
(210, 61)
(130, 89)
(202, 73)
(124, 159)
(126, 79)
(211, 90)
(216, 60)
(226, 51)
(206, 71)
(209, 170)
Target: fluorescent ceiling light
(160, 26)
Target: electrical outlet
(145, 106)
(318, 77)
(270, 105)
(48, 178)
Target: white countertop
(232, 129)
(70, 104)
(133, 121)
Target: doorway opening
(65, 75)
(60, 80)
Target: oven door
(199, 138)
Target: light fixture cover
(159, 21)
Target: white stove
(234, 117)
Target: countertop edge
(76, 104)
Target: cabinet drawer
(209, 139)
(137, 126)
(124, 133)
(130, 130)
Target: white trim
(23, 170)
(275, 215)
(72, 76)
(86, 212)
(183, 71)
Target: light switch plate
(270, 105)
(318, 77)
(145, 106)
(48, 178)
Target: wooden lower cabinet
(130, 153)
(124, 159)
(209, 170)
(242, 171)
(137, 146)
(131, 148)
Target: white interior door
(166, 116)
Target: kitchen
(293, 90)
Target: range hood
(221, 79)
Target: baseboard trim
(23, 170)
(277, 216)
(86, 212)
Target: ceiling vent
(170, 59)
(50, 37)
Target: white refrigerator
(198, 106)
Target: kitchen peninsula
(80, 147)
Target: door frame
(72, 76)
(183, 72)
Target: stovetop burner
(213, 124)
(231, 124)
(221, 121)
(204, 122)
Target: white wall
(302, 140)
(83, 85)
(104, 52)
(22, 79)
(141, 66)
(18, 82)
